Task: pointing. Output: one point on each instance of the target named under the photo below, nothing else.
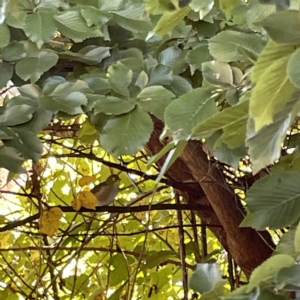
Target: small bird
(107, 191)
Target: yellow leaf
(49, 220)
(4, 239)
(85, 180)
(76, 204)
(84, 167)
(87, 199)
(86, 188)
(35, 255)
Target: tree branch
(112, 209)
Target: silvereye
(107, 191)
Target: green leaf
(202, 6)
(232, 121)
(11, 159)
(265, 145)
(220, 149)
(157, 7)
(286, 244)
(232, 96)
(49, 4)
(282, 27)
(231, 45)
(13, 51)
(153, 159)
(270, 93)
(79, 283)
(4, 35)
(170, 19)
(218, 291)
(51, 83)
(116, 295)
(180, 86)
(119, 77)
(99, 121)
(64, 96)
(155, 99)
(174, 153)
(119, 271)
(269, 269)
(41, 118)
(274, 201)
(40, 27)
(71, 24)
(205, 277)
(16, 19)
(111, 5)
(160, 75)
(218, 73)
(31, 91)
(65, 87)
(17, 111)
(297, 238)
(256, 13)
(91, 99)
(240, 294)
(132, 58)
(133, 131)
(173, 57)
(228, 5)
(90, 55)
(293, 70)
(142, 80)
(169, 56)
(270, 54)
(26, 142)
(206, 29)
(184, 113)
(4, 135)
(198, 55)
(6, 71)
(34, 67)
(271, 294)
(133, 18)
(156, 258)
(113, 105)
(95, 82)
(238, 76)
(87, 133)
(289, 275)
(94, 16)
(70, 104)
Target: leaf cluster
(221, 72)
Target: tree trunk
(248, 247)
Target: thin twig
(51, 269)
(197, 251)
(182, 251)
(112, 209)
(204, 241)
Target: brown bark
(248, 247)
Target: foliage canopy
(194, 101)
